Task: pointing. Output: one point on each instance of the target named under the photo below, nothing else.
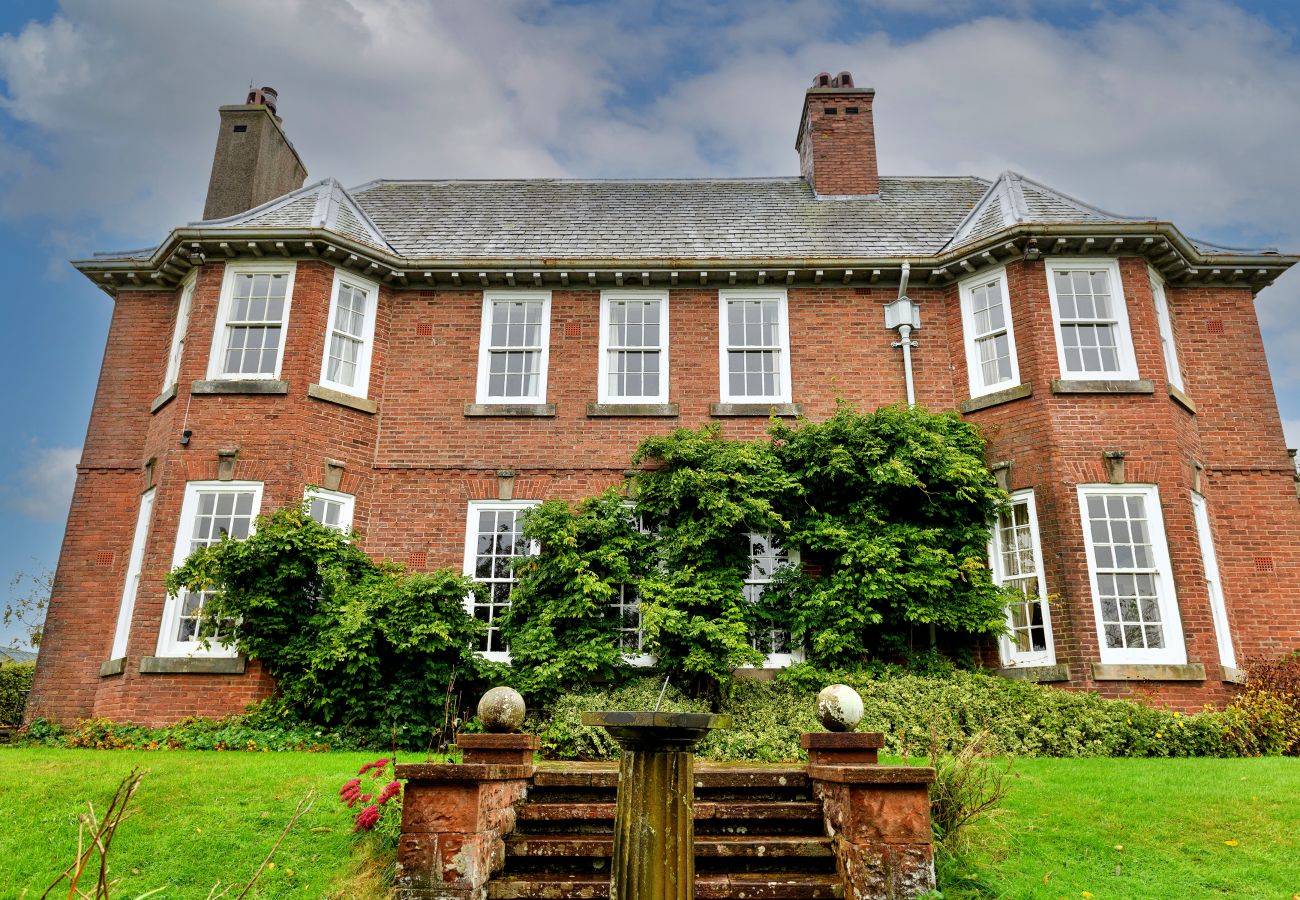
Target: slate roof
(671, 219)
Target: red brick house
(430, 358)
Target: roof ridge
(701, 179)
(275, 203)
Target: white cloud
(1186, 110)
(41, 488)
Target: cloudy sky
(1186, 110)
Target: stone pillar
(455, 817)
(877, 816)
(654, 822)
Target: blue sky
(1186, 110)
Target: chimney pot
(837, 153)
(253, 161)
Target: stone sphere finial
(839, 708)
(502, 710)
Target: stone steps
(708, 886)
(762, 811)
(714, 845)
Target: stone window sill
(1233, 676)
(1102, 386)
(1147, 672)
(329, 395)
(997, 398)
(1035, 673)
(1182, 399)
(112, 667)
(163, 399)
(755, 409)
(521, 410)
(192, 665)
(240, 386)
(601, 410)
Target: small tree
(29, 598)
(349, 640)
(562, 624)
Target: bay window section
(991, 362)
(1213, 582)
(350, 335)
(754, 346)
(248, 341)
(1091, 320)
(633, 364)
(1130, 574)
(210, 511)
(514, 345)
(493, 538)
(333, 509)
(1016, 559)
(179, 333)
(134, 565)
(1165, 322)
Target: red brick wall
(415, 464)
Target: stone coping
(112, 667)
(329, 395)
(1182, 399)
(869, 774)
(192, 665)
(997, 398)
(1058, 672)
(519, 410)
(499, 742)
(842, 740)
(1103, 386)
(601, 410)
(239, 386)
(755, 409)
(163, 399)
(1156, 672)
(445, 773)
(649, 719)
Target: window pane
(496, 541)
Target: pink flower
(367, 818)
(351, 787)
(391, 790)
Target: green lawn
(1139, 828)
(196, 819)
(200, 817)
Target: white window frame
(168, 645)
(1128, 369)
(1165, 322)
(180, 330)
(347, 502)
(485, 342)
(783, 394)
(134, 565)
(796, 654)
(1213, 582)
(371, 288)
(603, 392)
(974, 369)
(1175, 651)
(471, 553)
(219, 332)
(1012, 658)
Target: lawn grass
(198, 818)
(1138, 828)
(203, 817)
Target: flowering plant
(375, 802)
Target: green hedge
(1022, 719)
(15, 682)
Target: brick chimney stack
(837, 138)
(254, 161)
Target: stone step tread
(729, 845)
(708, 886)
(536, 811)
(717, 775)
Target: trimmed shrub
(915, 713)
(15, 682)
